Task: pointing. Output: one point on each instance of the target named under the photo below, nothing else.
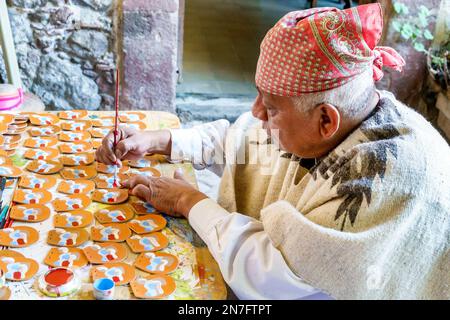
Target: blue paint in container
(104, 284)
(104, 289)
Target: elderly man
(345, 195)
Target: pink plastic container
(10, 97)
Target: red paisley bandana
(323, 48)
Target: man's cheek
(280, 140)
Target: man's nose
(258, 109)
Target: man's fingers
(135, 180)
(122, 148)
(142, 192)
(132, 156)
(102, 157)
(107, 147)
(108, 150)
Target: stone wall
(150, 42)
(65, 51)
(68, 51)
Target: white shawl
(370, 221)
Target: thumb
(123, 147)
(142, 192)
(178, 174)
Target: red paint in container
(58, 277)
(59, 282)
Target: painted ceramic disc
(111, 232)
(103, 122)
(37, 181)
(101, 253)
(71, 202)
(99, 132)
(10, 171)
(106, 181)
(131, 116)
(44, 131)
(153, 287)
(79, 172)
(66, 257)
(40, 142)
(69, 136)
(32, 196)
(103, 168)
(67, 238)
(150, 242)
(77, 186)
(41, 154)
(43, 119)
(75, 147)
(156, 262)
(119, 272)
(115, 214)
(110, 196)
(44, 166)
(18, 237)
(73, 114)
(147, 223)
(30, 212)
(73, 219)
(18, 269)
(78, 159)
(77, 125)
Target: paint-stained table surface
(198, 275)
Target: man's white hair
(350, 99)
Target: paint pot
(59, 282)
(104, 289)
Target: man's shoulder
(398, 145)
(395, 123)
(395, 143)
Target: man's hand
(133, 145)
(175, 196)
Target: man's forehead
(274, 100)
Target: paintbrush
(116, 132)
(2, 187)
(4, 216)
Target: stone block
(151, 5)
(98, 4)
(62, 85)
(88, 44)
(150, 42)
(29, 4)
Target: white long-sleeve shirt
(367, 221)
(248, 260)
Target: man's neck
(351, 124)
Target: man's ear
(330, 120)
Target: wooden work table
(197, 277)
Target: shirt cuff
(205, 215)
(184, 144)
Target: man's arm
(249, 262)
(203, 145)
